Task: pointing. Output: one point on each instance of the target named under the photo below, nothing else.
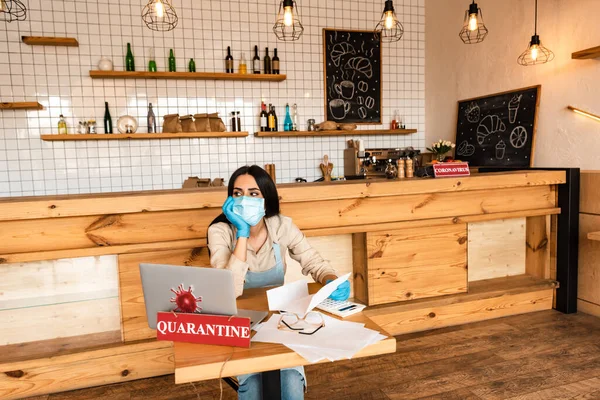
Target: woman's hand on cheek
(342, 292)
(243, 228)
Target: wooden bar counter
(425, 253)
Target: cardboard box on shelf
(194, 182)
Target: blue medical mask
(251, 209)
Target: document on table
(294, 297)
(336, 340)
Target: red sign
(202, 328)
(448, 170)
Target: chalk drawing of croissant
(339, 50)
(489, 124)
(361, 65)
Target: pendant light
(287, 26)
(536, 53)
(390, 29)
(159, 15)
(473, 30)
(12, 10)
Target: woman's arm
(220, 241)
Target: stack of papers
(337, 340)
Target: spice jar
(401, 166)
(92, 126)
(311, 125)
(391, 172)
(410, 168)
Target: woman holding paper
(251, 239)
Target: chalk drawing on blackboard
(360, 100)
(363, 86)
(370, 102)
(489, 124)
(345, 89)
(339, 108)
(473, 113)
(500, 150)
(518, 137)
(339, 50)
(513, 108)
(361, 65)
(362, 112)
(465, 149)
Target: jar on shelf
(391, 171)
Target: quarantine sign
(202, 328)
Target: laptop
(200, 290)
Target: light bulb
(288, 16)
(160, 8)
(473, 23)
(534, 52)
(389, 20)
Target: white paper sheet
(294, 296)
(316, 354)
(348, 337)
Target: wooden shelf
(143, 136)
(210, 76)
(49, 41)
(21, 105)
(337, 133)
(594, 235)
(593, 52)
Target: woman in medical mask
(251, 239)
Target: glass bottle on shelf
(239, 121)
(275, 62)
(229, 61)
(129, 61)
(267, 61)
(395, 124)
(256, 61)
(295, 118)
(172, 65)
(62, 125)
(287, 122)
(234, 127)
(92, 126)
(80, 128)
(264, 126)
(192, 65)
(108, 128)
(243, 67)
(151, 60)
(151, 120)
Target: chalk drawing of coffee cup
(345, 89)
(339, 108)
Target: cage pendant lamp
(535, 53)
(288, 26)
(473, 30)
(389, 27)
(159, 15)
(12, 10)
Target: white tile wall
(58, 78)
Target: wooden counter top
(20, 208)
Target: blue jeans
(292, 386)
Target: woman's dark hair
(265, 184)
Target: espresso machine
(362, 163)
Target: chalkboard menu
(352, 70)
(499, 129)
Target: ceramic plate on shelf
(125, 122)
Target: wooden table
(196, 362)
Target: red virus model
(185, 300)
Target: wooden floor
(544, 355)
